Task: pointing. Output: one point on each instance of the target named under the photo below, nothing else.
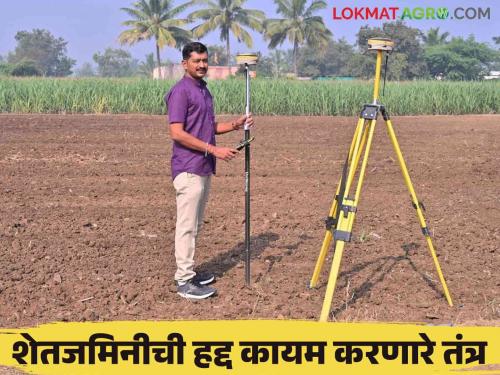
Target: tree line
(314, 52)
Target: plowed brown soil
(87, 217)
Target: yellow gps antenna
(344, 208)
(245, 60)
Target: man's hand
(240, 122)
(224, 153)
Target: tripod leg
(332, 214)
(417, 206)
(346, 218)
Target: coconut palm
(280, 61)
(228, 16)
(156, 19)
(433, 38)
(299, 25)
(147, 67)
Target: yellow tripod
(344, 207)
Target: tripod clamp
(420, 204)
(371, 111)
(331, 222)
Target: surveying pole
(245, 60)
(343, 210)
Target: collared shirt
(189, 102)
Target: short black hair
(193, 47)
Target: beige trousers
(191, 196)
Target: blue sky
(93, 25)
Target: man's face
(197, 65)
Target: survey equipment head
(380, 44)
(249, 58)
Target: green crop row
(269, 97)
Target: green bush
(25, 68)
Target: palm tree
(147, 67)
(280, 61)
(156, 19)
(228, 16)
(299, 26)
(433, 38)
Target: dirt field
(87, 217)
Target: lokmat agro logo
(458, 13)
(408, 13)
(425, 13)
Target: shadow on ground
(225, 261)
(384, 266)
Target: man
(193, 129)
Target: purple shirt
(189, 102)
